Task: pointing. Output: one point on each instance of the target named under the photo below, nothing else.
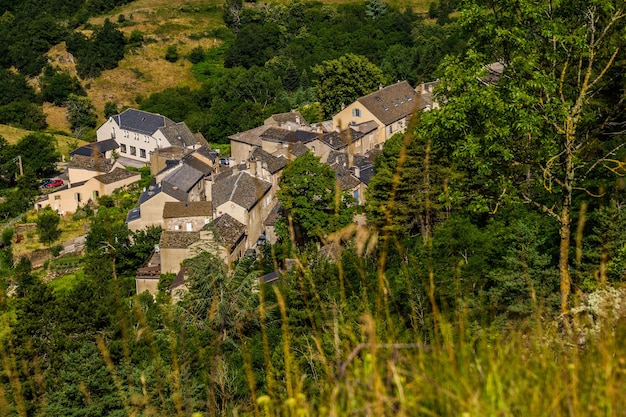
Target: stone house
(390, 107)
(139, 133)
(188, 216)
(247, 199)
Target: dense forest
(488, 280)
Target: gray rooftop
(141, 121)
(229, 230)
(179, 135)
(391, 103)
(173, 209)
(241, 188)
(118, 174)
(184, 178)
(268, 161)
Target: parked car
(44, 183)
(54, 184)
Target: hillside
(186, 24)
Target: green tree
(48, 226)
(80, 113)
(310, 195)
(171, 54)
(110, 109)
(341, 81)
(543, 129)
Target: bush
(171, 55)
(196, 55)
(56, 250)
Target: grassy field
(65, 144)
(186, 24)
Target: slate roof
(276, 134)
(270, 162)
(179, 135)
(274, 215)
(152, 190)
(91, 164)
(179, 281)
(340, 140)
(347, 181)
(366, 173)
(229, 230)
(251, 137)
(365, 127)
(102, 147)
(391, 103)
(242, 189)
(227, 172)
(173, 209)
(141, 121)
(282, 118)
(297, 149)
(271, 277)
(198, 164)
(118, 174)
(184, 178)
(178, 239)
(133, 215)
(208, 153)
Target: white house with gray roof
(139, 134)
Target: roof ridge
(232, 192)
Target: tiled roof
(340, 140)
(270, 162)
(141, 121)
(118, 174)
(366, 127)
(229, 230)
(242, 189)
(184, 178)
(274, 215)
(391, 103)
(179, 135)
(276, 134)
(282, 118)
(366, 173)
(91, 164)
(133, 215)
(251, 137)
(178, 239)
(198, 164)
(297, 149)
(101, 147)
(347, 181)
(173, 209)
(207, 152)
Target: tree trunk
(565, 220)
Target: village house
(266, 166)
(247, 199)
(389, 107)
(75, 195)
(188, 216)
(139, 134)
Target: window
(189, 226)
(126, 133)
(356, 195)
(57, 197)
(122, 148)
(78, 197)
(176, 227)
(400, 125)
(113, 132)
(142, 153)
(133, 150)
(356, 112)
(95, 195)
(390, 132)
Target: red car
(54, 184)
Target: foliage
(311, 196)
(56, 87)
(110, 109)
(80, 113)
(171, 54)
(48, 226)
(103, 50)
(343, 80)
(196, 55)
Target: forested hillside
(487, 278)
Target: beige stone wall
(171, 258)
(147, 284)
(151, 212)
(343, 119)
(239, 152)
(186, 224)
